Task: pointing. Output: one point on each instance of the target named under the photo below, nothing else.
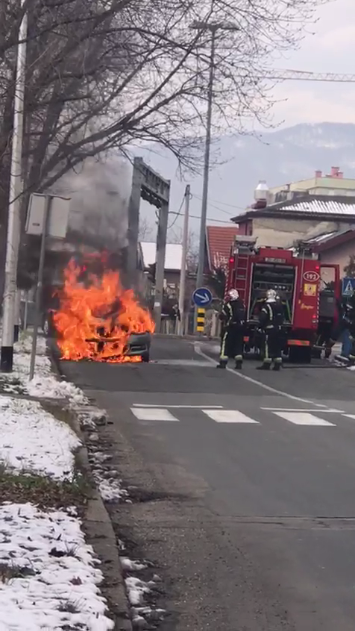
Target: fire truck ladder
(244, 247)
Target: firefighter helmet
(233, 294)
(271, 295)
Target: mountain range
(279, 156)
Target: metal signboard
(348, 286)
(58, 215)
(202, 297)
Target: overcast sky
(331, 49)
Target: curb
(105, 544)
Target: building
(335, 247)
(305, 217)
(332, 184)
(219, 240)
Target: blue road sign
(348, 286)
(202, 297)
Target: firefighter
(233, 324)
(270, 321)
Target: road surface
(243, 487)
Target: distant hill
(280, 157)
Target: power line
(177, 214)
(223, 203)
(199, 217)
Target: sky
(330, 49)
(329, 46)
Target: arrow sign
(202, 297)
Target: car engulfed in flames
(99, 320)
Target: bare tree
(175, 236)
(103, 75)
(146, 230)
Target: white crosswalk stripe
(303, 418)
(228, 416)
(153, 414)
(296, 417)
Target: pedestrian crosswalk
(311, 418)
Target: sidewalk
(49, 576)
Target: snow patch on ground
(31, 439)
(44, 384)
(138, 591)
(50, 388)
(49, 575)
(105, 476)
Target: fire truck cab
(298, 277)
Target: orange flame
(95, 321)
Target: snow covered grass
(49, 575)
(44, 384)
(32, 440)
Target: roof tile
(219, 241)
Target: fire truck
(307, 288)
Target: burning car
(98, 320)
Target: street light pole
(213, 28)
(206, 168)
(13, 229)
(183, 261)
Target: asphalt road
(243, 487)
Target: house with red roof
(219, 241)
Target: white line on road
(258, 383)
(303, 418)
(153, 414)
(349, 415)
(166, 405)
(229, 416)
(327, 411)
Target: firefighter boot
(222, 364)
(238, 362)
(264, 366)
(277, 366)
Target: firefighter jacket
(233, 314)
(272, 315)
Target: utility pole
(160, 263)
(133, 221)
(213, 28)
(13, 229)
(183, 261)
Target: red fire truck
(307, 288)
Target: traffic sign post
(202, 297)
(348, 286)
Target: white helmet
(233, 294)
(271, 295)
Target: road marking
(153, 414)
(229, 416)
(258, 383)
(327, 411)
(166, 405)
(349, 415)
(303, 418)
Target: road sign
(348, 286)
(202, 297)
(58, 215)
